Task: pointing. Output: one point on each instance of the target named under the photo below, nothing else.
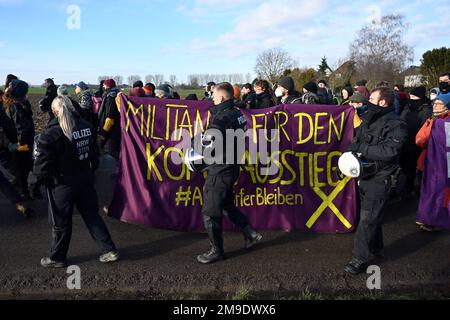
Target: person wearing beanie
(164, 91)
(86, 103)
(416, 112)
(310, 93)
(440, 111)
(109, 84)
(82, 86)
(361, 83)
(286, 93)
(9, 144)
(310, 87)
(19, 110)
(346, 93)
(433, 94)
(359, 102)
(109, 133)
(362, 89)
(45, 104)
(9, 79)
(325, 94)
(138, 84)
(62, 90)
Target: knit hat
(83, 86)
(9, 79)
(358, 98)
(311, 87)
(63, 90)
(287, 83)
(435, 90)
(110, 83)
(138, 84)
(419, 92)
(361, 83)
(323, 82)
(19, 89)
(445, 98)
(137, 92)
(349, 90)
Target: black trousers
(369, 234)
(8, 190)
(76, 191)
(218, 196)
(23, 164)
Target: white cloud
(272, 23)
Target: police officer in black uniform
(379, 140)
(66, 158)
(218, 192)
(45, 104)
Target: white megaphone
(194, 161)
(351, 165)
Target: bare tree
(379, 51)
(248, 78)
(132, 79)
(159, 79)
(193, 80)
(101, 78)
(271, 63)
(118, 80)
(173, 80)
(150, 78)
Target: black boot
(251, 237)
(214, 228)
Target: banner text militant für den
(177, 118)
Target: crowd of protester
(417, 109)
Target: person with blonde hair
(66, 159)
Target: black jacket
(325, 96)
(58, 157)
(248, 101)
(226, 116)
(46, 103)
(416, 113)
(110, 110)
(7, 129)
(8, 134)
(264, 100)
(21, 115)
(380, 139)
(292, 99)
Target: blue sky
(181, 37)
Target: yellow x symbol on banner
(328, 203)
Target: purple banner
(302, 193)
(435, 189)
